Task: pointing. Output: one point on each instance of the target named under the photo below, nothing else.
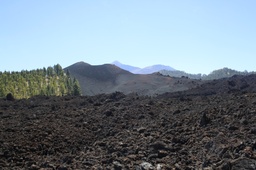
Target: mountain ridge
(129, 68)
(145, 70)
(108, 78)
(169, 71)
(215, 74)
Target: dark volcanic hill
(109, 78)
(237, 83)
(106, 72)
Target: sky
(196, 36)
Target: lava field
(117, 131)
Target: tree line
(216, 74)
(47, 81)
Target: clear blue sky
(196, 36)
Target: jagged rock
(253, 131)
(159, 167)
(117, 165)
(159, 145)
(204, 120)
(146, 166)
(162, 153)
(3, 163)
(34, 167)
(141, 129)
(244, 121)
(225, 166)
(62, 168)
(244, 164)
(232, 127)
(108, 113)
(176, 112)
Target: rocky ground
(119, 131)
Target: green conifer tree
(76, 88)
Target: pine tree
(76, 88)
(50, 71)
(58, 70)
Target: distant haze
(145, 70)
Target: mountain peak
(103, 72)
(129, 68)
(80, 64)
(146, 70)
(154, 68)
(116, 62)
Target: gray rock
(117, 165)
(146, 166)
(159, 145)
(159, 167)
(141, 129)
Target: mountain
(129, 68)
(109, 78)
(105, 72)
(223, 73)
(146, 70)
(169, 71)
(216, 74)
(178, 73)
(153, 69)
(234, 84)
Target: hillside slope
(216, 74)
(237, 83)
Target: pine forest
(47, 81)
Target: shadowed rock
(244, 164)
(10, 97)
(204, 120)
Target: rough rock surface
(119, 131)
